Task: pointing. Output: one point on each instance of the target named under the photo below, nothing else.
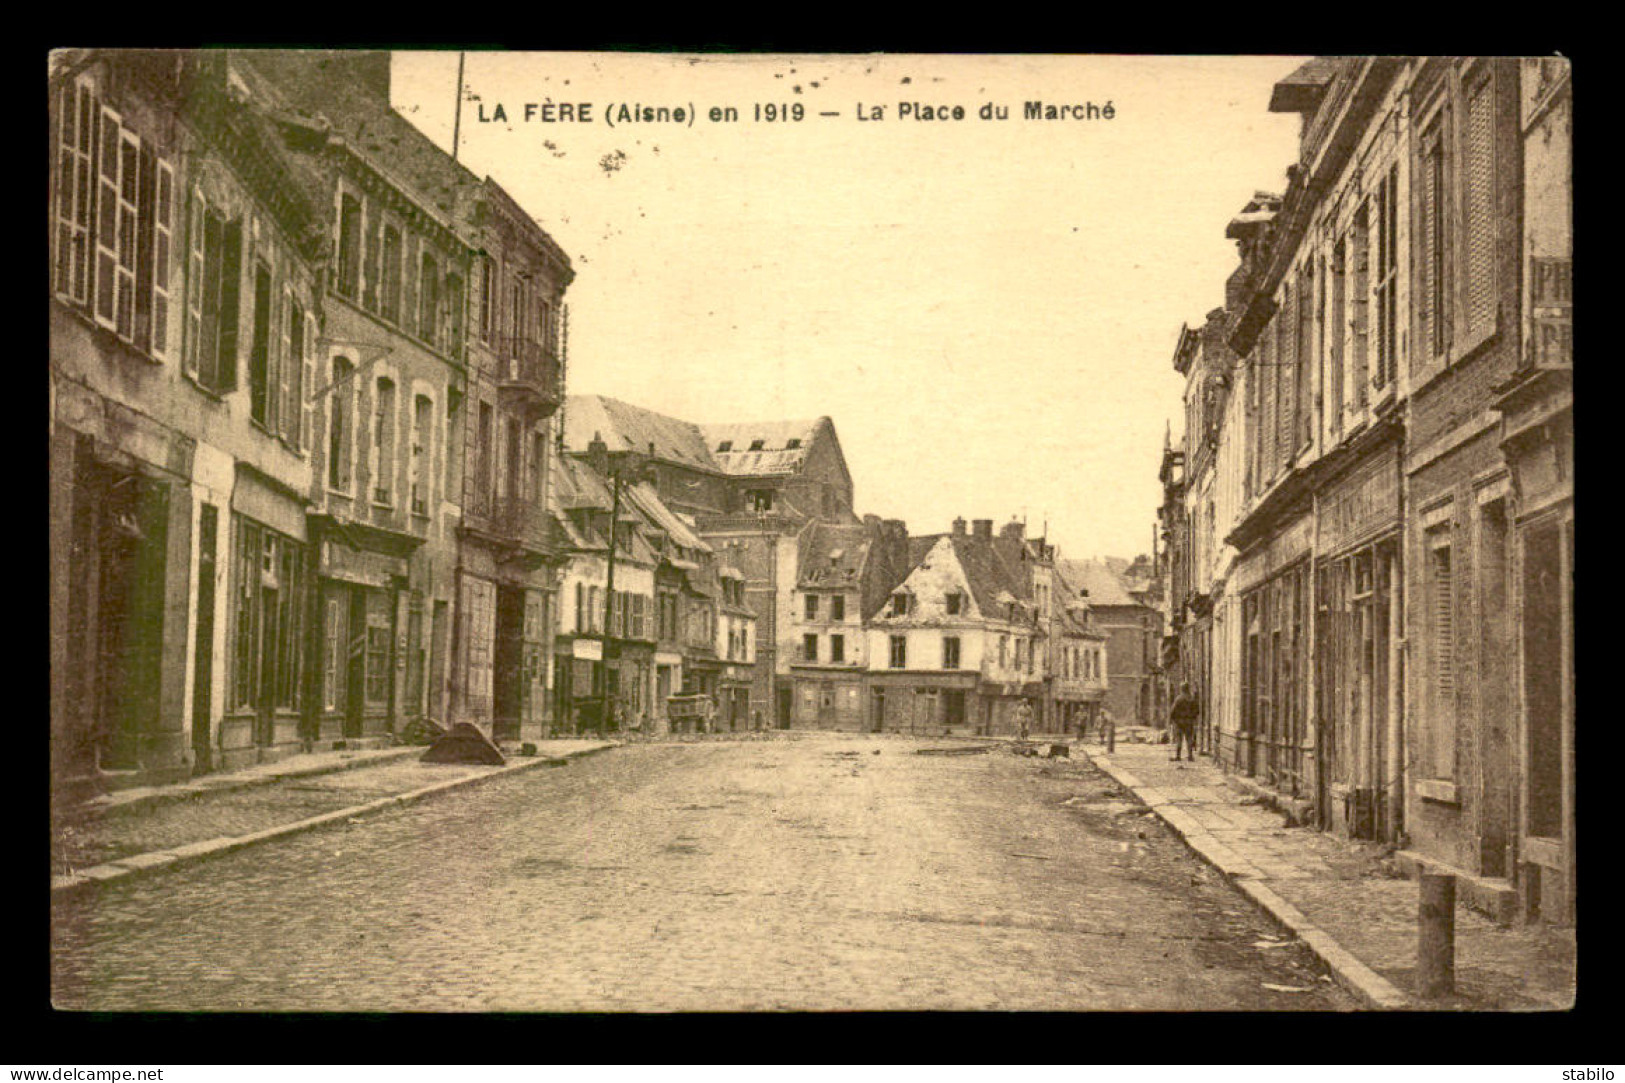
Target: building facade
(1390, 649)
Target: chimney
(1014, 530)
(959, 528)
(982, 528)
(598, 454)
(895, 527)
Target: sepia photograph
(694, 532)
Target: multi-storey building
(1190, 512)
(185, 308)
(967, 635)
(1133, 628)
(390, 377)
(845, 572)
(1536, 529)
(604, 654)
(506, 568)
(1400, 408)
(752, 487)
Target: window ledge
(1438, 790)
(203, 389)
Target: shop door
(134, 539)
(784, 708)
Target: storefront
(1357, 651)
(1275, 741)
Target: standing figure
(1182, 718)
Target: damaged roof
(1105, 586)
(624, 427)
(328, 84)
(761, 448)
(832, 555)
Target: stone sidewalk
(133, 831)
(1346, 899)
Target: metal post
(609, 600)
(1436, 934)
(1111, 735)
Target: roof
(329, 84)
(648, 501)
(1300, 92)
(832, 555)
(625, 427)
(761, 448)
(992, 568)
(1105, 586)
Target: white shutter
(162, 251)
(107, 218)
(307, 422)
(192, 332)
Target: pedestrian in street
(1024, 718)
(1105, 721)
(1182, 718)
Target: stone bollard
(1436, 934)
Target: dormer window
(899, 604)
(955, 603)
(756, 445)
(792, 443)
(726, 445)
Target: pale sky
(986, 308)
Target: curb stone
(1353, 975)
(126, 868)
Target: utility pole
(457, 120)
(609, 602)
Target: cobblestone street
(817, 873)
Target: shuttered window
(1478, 193)
(1307, 358)
(1432, 295)
(1441, 602)
(1386, 272)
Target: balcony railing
(527, 372)
(519, 518)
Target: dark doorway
(355, 682)
(508, 676)
(203, 647)
(134, 540)
(784, 708)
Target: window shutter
(1479, 190)
(107, 207)
(129, 182)
(75, 187)
(307, 431)
(287, 360)
(1444, 629)
(193, 329)
(163, 231)
(231, 281)
(370, 274)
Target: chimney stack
(598, 454)
(982, 528)
(959, 528)
(1014, 530)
